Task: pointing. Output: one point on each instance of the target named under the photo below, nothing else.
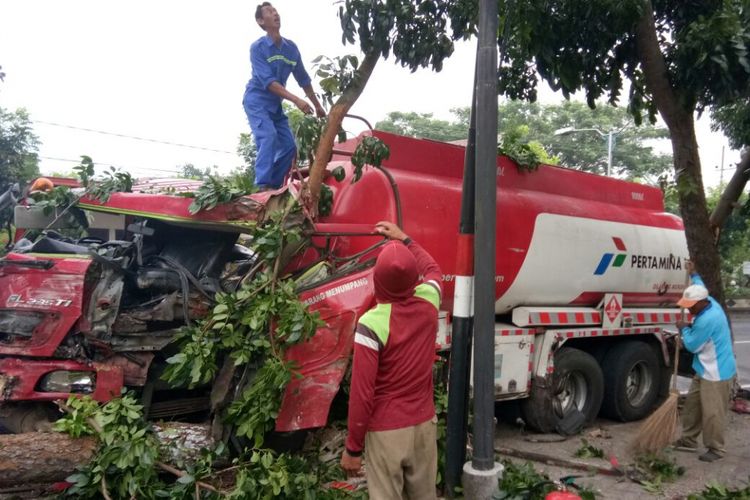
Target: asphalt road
(741, 328)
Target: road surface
(741, 328)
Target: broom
(661, 428)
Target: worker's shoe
(710, 456)
(685, 445)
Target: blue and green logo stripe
(610, 258)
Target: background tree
(733, 119)
(248, 151)
(733, 243)
(730, 211)
(424, 125)
(634, 158)
(190, 171)
(18, 148)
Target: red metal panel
(25, 376)
(57, 293)
(165, 206)
(323, 360)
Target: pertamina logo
(611, 258)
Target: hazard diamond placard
(612, 310)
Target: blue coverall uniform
(710, 340)
(707, 401)
(273, 138)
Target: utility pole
(481, 474)
(610, 146)
(457, 419)
(721, 168)
(610, 136)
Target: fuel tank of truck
(564, 237)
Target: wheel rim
(573, 395)
(638, 383)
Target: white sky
(175, 71)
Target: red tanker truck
(588, 269)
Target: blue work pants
(275, 143)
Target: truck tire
(18, 418)
(577, 385)
(632, 381)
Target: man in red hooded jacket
(391, 407)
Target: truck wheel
(577, 386)
(632, 379)
(18, 418)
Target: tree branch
(731, 194)
(331, 129)
(655, 68)
(161, 465)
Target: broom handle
(676, 360)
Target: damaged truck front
(91, 316)
(588, 269)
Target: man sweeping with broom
(710, 341)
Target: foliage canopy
(18, 148)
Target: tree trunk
(731, 194)
(679, 120)
(41, 457)
(333, 125)
(36, 458)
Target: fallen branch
(161, 465)
(558, 462)
(105, 491)
(180, 473)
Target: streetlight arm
(571, 130)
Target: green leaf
(186, 479)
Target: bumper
(20, 379)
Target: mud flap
(571, 424)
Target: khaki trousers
(705, 410)
(402, 464)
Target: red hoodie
(394, 346)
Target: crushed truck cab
(588, 269)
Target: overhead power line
(133, 137)
(103, 164)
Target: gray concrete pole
(481, 474)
